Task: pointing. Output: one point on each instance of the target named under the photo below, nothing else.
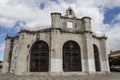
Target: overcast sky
(32, 14)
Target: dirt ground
(111, 76)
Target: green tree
(114, 61)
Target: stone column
(55, 20)
(86, 23)
(55, 53)
(21, 65)
(6, 63)
(104, 56)
(88, 64)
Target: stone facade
(63, 29)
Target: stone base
(98, 73)
(5, 67)
(38, 73)
(66, 73)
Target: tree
(114, 60)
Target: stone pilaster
(104, 56)
(55, 20)
(56, 57)
(88, 64)
(21, 66)
(86, 23)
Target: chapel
(68, 47)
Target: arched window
(71, 56)
(39, 59)
(96, 57)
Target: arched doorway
(96, 57)
(39, 59)
(71, 57)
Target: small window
(69, 24)
(70, 12)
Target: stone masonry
(17, 57)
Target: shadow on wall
(0, 66)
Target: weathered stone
(63, 29)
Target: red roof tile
(114, 52)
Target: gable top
(70, 13)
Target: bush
(114, 61)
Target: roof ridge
(114, 52)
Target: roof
(114, 52)
(41, 30)
(49, 29)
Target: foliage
(114, 61)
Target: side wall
(6, 55)
(26, 40)
(14, 56)
(55, 40)
(101, 44)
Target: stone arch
(39, 57)
(96, 58)
(71, 56)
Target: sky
(35, 14)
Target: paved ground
(112, 76)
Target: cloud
(11, 12)
(111, 3)
(116, 19)
(30, 14)
(113, 38)
(29, 11)
(113, 34)
(2, 47)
